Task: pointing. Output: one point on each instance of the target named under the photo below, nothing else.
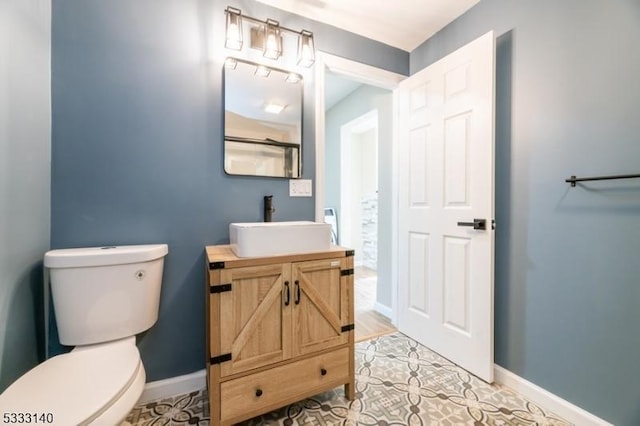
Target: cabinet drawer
(260, 392)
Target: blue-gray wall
(567, 269)
(25, 154)
(357, 103)
(137, 144)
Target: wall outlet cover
(300, 188)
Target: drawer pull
(258, 393)
(323, 371)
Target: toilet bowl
(92, 385)
(102, 297)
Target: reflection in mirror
(262, 120)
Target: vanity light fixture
(306, 50)
(234, 29)
(272, 48)
(268, 36)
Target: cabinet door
(321, 296)
(255, 326)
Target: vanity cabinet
(279, 329)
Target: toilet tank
(105, 293)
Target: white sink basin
(274, 238)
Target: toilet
(102, 297)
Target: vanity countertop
(224, 254)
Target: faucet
(268, 208)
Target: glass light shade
(272, 40)
(306, 49)
(234, 29)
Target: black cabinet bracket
(348, 327)
(220, 288)
(346, 272)
(220, 359)
(216, 265)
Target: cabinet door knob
(258, 392)
(323, 371)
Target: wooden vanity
(279, 329)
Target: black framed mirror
(262, 120)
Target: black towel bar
(574, 179)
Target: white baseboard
(546, 399)
(173, 386)
(383, 309)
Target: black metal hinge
(220, 288)
(346, 272)
(348, 327)
(216, 265)
(350, 253)
(221, 358)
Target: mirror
(262, 120)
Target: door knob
(480, 224)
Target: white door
(446, 151)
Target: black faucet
(268, 208)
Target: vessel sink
(255, 239)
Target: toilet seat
(77, 387)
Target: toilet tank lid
(103, 256)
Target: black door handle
(480, 224)
(297, 283)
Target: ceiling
(404, 24)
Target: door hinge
(220, 288)
(348, 327)
(493, 224)
(346, 272)
(220, 358)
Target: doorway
(355, 172)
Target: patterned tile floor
(398, 382)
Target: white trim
(546, 399)
(173, 386)
(395, 222)
(356, 71)
(375, 77)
